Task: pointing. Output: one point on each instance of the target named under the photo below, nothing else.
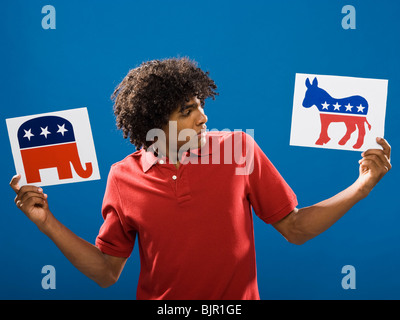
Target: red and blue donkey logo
(351, 110)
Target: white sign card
(53, 148)
(335, 112)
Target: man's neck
(172, 155)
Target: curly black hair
(148, 95)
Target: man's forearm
(86, 257)
(310, 221)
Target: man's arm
(87, 258)
(304, 224)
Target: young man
(191, 211)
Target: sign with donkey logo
(53, 148)
(338, 112)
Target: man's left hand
(375, 163)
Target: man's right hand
(98, 266)
(32, 201)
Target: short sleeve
(115, 237)
(269, 194)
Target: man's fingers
(14, 182)
(385, 145)
(374, 158)
(374, 163)
(32, 200)
(369, 164)
(27, 191)
(379, 156)
(27, 195)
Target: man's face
(190, 121)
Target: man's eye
(187, 112)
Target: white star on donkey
(44, 132)
(325, 105)
(61, 129)
(349, 107)
(360, 108)
(337, 106)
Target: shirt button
(174, 177)
(161, 161)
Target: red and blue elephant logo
(49, 142)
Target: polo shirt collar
(148, 158)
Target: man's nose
(202, 118)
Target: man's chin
(202, 141)
(194, 143)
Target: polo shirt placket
(177, 178)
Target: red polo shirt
(194, 223)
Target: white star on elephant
(61, 129)
(45, 132)
(28, 134)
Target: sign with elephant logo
(336, 112)
(53, 148)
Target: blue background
(253, 50)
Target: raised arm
(304, 224)
(87, 258)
